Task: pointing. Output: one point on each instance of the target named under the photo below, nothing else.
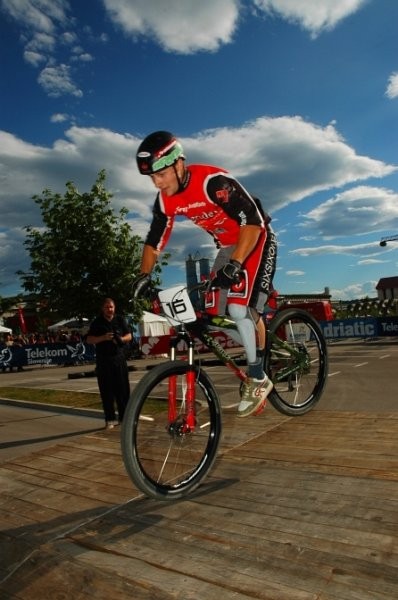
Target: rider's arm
(157, 237)
(149, 258)
(235, 201)
(248, 237)
(243, 208)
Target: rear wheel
(164, 457)
(296, 361)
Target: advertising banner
(46, 354)
(367, 327)
(72, 353)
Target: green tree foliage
(85, 252)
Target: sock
(260, 352)
(255, 370)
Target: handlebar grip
(141, 285)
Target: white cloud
(371, 261)
(295, 273)
(40, 16)
(357, 211)
(69, 38)
(59, 118)
(41, 42)
(354, 249)
(316, 16)
(57, 81)
(192, 26)
(42, 23)
(34, 58)
(392, 88)
(287, 157)
(355, 290)
(83, 57)
(182, 27)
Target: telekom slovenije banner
(46, 354)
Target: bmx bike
(172, 424)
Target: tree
(86, 252)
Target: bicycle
(172, 426)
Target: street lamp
(391, 238)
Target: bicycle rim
(296, 362)
(168, 462)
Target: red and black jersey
(213, 200)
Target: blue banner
(367, 327)
(69, 353)
(73, 353)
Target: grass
(55, 397)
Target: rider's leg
(261, 334)
(258, 385)
(259, 270)
(248, 333)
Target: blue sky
(297, 98)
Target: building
(387, 288)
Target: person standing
(109, 333)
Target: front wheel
(165, 457)
(296, 361)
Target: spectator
(109, 332)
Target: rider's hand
(229, 274)
(141, 285)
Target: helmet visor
(169, 159)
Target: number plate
(177, 305)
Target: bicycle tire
(166, 465)
(296, 361)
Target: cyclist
(245, 264)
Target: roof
(386, 283)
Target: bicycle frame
(201, 329)
(201, 325)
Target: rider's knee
(238, 312)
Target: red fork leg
(172, 399)
(190, 399)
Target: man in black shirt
(109, 332)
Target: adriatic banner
(367, 327)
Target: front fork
(188, 388)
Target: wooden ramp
(296, 509)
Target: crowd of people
(41, 338)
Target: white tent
(152, 325)
(5, 329)
(69, 324)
